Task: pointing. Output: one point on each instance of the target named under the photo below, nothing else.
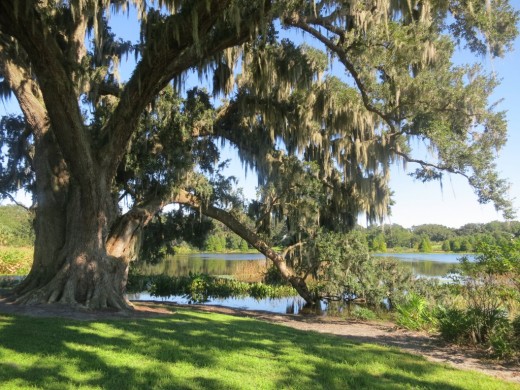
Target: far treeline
(433, 237)
(178, 232)
(196, 234)
(380, 238)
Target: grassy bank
(193, 350)
(15, 260)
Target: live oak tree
(322, 146)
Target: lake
(251, 267)
(248, 267)
(426, 264)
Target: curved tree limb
(188, 199)
(423, 163)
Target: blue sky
(416, 203)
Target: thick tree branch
(163, 62)
(24, 21)
(108, 89)
(130, 225)
(77, 50)
(188, 199)
(423, 163)
(27, 92)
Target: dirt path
(383, 333)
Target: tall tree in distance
(322, 147)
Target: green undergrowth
(15, 260)
(201, 287)
(195, 350)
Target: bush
(474, 326)
(425, 245)
(455, 245)
(516, 330)
(273, 277)
(216, 243)
(363, 313)
(452, 324)
(349, 273)
(415, 314)
(487, 292)
(515, 335)
(501, 340)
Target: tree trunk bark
(81, 256)
(52, 182)
(71, 264)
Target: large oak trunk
(72, 264)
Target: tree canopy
(322, 145)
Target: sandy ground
(383, 333)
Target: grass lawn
(195, 350)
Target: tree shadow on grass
(194, 350)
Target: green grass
(193, 350)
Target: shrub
(455, 245)
(216, 243)
(502, 342)
(452, 324)
(516, 330)
(473, 326)
(244, 247)
(415, 314)
(465, 246)
(378, 243)
(515, 335)
(349, 273)
(363, 313)
(273, 276)
(488, 291)
(425, 245)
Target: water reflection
(291, 305)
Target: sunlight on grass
(196, 350)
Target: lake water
(426, 264)
(251, 267)
(243, 266)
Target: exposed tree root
(94, 285)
